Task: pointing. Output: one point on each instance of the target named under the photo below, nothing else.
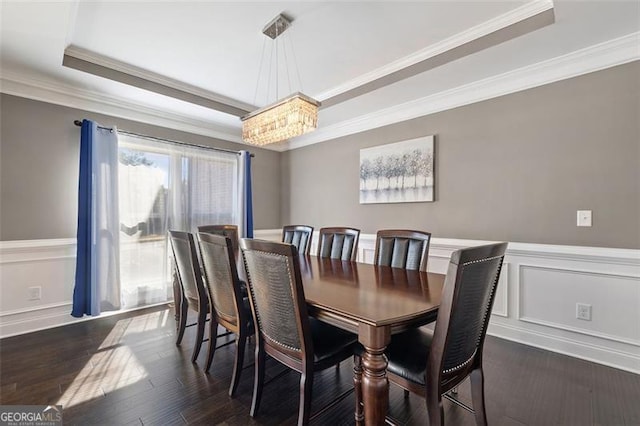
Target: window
(165, 186)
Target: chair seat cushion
(407, 354)
(330, 344)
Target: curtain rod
(125, 132)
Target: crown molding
(505, 20)
(594, 58)
(19, 84)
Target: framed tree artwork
(400, 172)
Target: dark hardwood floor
(126, 370)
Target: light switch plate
(583, 311)
(35, 293)
(584, 218)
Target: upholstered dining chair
(228, 307)
(401, 248)
(298, 235)
(432, 363)
(230, 231)
(339, 243)
(285, 331)
(193, 292)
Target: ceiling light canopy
(292, 116)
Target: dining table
(373, 302)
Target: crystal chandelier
(292, 116)
(289, 117)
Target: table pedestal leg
(375, 386)
(357, 385)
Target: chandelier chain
(264, 47)
(286, 62)
(266, 98)
(295, 64)
(277, 68)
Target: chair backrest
(277, 296)
(461, 326)
(188, 268)
(339, 243)
(230, 231)
(221, 277)
(400, 248)
(298, 235)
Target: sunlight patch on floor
(115, 365)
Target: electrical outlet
(583, 311)
(35, 293)
(584, 218)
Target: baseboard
(567, 346)
(22, 321)
(46, 317)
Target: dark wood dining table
(374, 302)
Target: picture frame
(400, 172)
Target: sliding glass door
(164, 186)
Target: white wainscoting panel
(49, 264)
(548, 296)
(535, 301)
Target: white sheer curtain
(167, 186)
(211, 188)
(104, 257)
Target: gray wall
(513, 168)
(39, 149)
